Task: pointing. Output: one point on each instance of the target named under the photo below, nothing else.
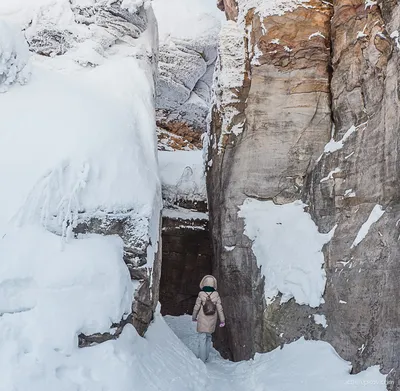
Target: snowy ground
(300, 366)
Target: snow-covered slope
(78, 167)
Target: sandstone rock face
(310, 73)
(268, 128)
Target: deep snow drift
(299, 366)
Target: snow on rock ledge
(288, 247)
(14, 56)
(182, 176)
(77, 143)
(188, 50)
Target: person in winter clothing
(207, 309)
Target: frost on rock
(14, 56)
(266, 8)
(288, 248)
(83, 32)
(374, 216)
(229, 78)
(188, 50)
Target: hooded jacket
(207, 323)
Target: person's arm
(196, 308)
(220, 311)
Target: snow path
(300, 366)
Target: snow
(77, 143)
(330, 175)
(320, 319)
(267, 8)
(349, 193)
(316, 35)
(14, 56)
(395, 36)
(370, 3)
(334, 146)
(374, 216)
(34, 293)
(131, 363)
(288, 248)
(301, 366)
(184, 214)
(182, 175)
(188, 50)
(85, 132)
(187, 19)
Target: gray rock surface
(186, 65)
(298, 86)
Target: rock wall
(188, 50)
(364, 94)
(312, 115)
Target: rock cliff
(188, 49)
(310, 113)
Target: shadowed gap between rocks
(187, 257)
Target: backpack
(209, 307)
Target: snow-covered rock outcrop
(81, 197)
(188, 50)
